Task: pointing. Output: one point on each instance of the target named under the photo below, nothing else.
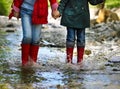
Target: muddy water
(95, 72)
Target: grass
(112, 4)
(5, 5)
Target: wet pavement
(96, 72)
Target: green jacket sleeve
(62, 5)
(95, 2)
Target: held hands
(16, 14)
(55, 14)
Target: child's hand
(55, 14)
(16, 14)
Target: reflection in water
(73, 79)
(56, 74)
(27, 75)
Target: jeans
(72, 34)
(31, 32)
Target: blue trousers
(75, 35)
(31, 32)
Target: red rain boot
(80, 53)
(69, 52)
(25, 53)
(34, 52)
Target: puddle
(53, 73)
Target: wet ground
(96, 72)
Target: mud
(99, 70)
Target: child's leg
(26, 41)
(80, 44)
(25, 54)
(70, 42)
(34, 48)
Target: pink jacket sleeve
(17, 4)
(54, 4)
(15, 7)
